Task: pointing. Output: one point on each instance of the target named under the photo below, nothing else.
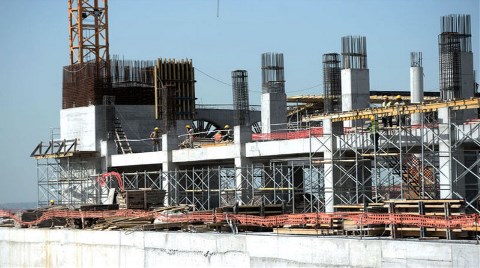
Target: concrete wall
(355, 92)
(75, 248)
(274, 112)
(81, 123)
(88, 124)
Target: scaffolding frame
(408, 163)
(423, 161)
(67, 181)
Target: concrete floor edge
(75, 248)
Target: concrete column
(355, 91)
(274, 111)
(444, 154)
(451, 186)
(331, 173)
(467, 82)
(416, 91)
(242, 135)
(169, 143)
(107, 149)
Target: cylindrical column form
(332, 82)
(274, 100)
(241, 115)
(416, 83)
(453, 42)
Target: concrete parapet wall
(75, 248)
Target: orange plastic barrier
(300, 134)
(452, 222)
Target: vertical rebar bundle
(332, 82)
(416, 59)
(450, 64)
(273, 79)
(177, 75)
(241, 114)
(460, 24)
(128, 73)
(354, 52)
(454, 39)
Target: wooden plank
(303, 231)
(424, 200)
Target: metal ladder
(123, 146)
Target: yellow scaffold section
(472, 103)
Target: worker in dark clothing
(387, 120)
(401, 117)
(155, 137)
(228, 133)
(373, 128)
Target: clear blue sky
(34, 47)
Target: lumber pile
(6, 222)
(433, 207)
(143, 198)
(256, 210)
(34, 214)
(137, 223)
(351, 228)
(122, 223)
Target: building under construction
(310, 156)
(308, 160)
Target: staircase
(123, 146)
(412, 176)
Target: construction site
(354, 172)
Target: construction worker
(387, 120)
(155, 137)
(189, 140)
(398, 103)
(218, 137)
(373, 128)
(52, 202)
(228, 136)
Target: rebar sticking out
(273, 79)
(454, 40)
(332, 82)
(416, 59)
(241, 113)
(354, 52)
(461, 25)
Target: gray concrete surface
(77, 248)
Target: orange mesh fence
(452, 222)
(300, 134)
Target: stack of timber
(256, 210)
(137, 223)
(441, 207)
(7, 222)
(83, 223)
(334, 227)
(143, 198)
(351, 228)
(33, 215)
(122, 223)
